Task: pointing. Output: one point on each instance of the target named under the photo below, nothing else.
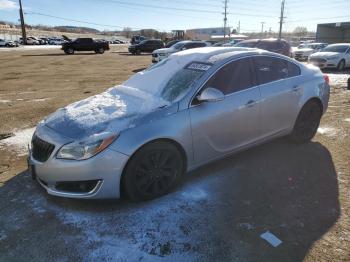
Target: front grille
(41, 150)
(318, 60)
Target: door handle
(250, 103)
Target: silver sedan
(199, 105)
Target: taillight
(326, 78)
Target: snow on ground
(347, 119)
(338, 79)
(327, 131)
(19, 142)
(154, 230)
(30, 47)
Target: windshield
(178, 45)
(336, 48)
(182, 80)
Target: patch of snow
(39, 99)
(5, 101)
(347, 119)
(327, 131)
(196, 194)
(338, 79)
(3, 236)
(19, 142)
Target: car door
(281, 88)
(219, 128)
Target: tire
(69, 51)
(307, 122)
(100, 51)
(341, 65)
(153, 171)
(138, 52)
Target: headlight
(85, 149)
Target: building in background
(333, 32)
(206, 33)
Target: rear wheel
(100, 51)
(153, 171)
(341, 65)
(307, 122)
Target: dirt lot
(300, 193)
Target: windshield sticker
(198, 66)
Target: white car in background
(333, 56)
(303, 51)
(56, 41)
(160, 54)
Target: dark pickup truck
(84, 44)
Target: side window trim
(274, 57)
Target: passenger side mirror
(211, 94)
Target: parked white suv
(303, 51)
(333, 56)
(160, 54)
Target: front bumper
(105, 169)
(323, 63)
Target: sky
(165, 15)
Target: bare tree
(300, 31)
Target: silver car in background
(336, 56)
(197, 106)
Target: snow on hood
(111, 111)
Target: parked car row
(8, 43)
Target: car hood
(112, 111)
(169, 50)
(325, 54)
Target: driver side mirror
(211, 94)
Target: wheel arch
(167, 140)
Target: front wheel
(341, 66)
(307, 122)
(153, 171)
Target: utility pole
(262, 27)
(225, 17)
(281, 19)
(239, 27)
(24, 35)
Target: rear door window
(233, 77)
(270, 69)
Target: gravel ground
(300, 193)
